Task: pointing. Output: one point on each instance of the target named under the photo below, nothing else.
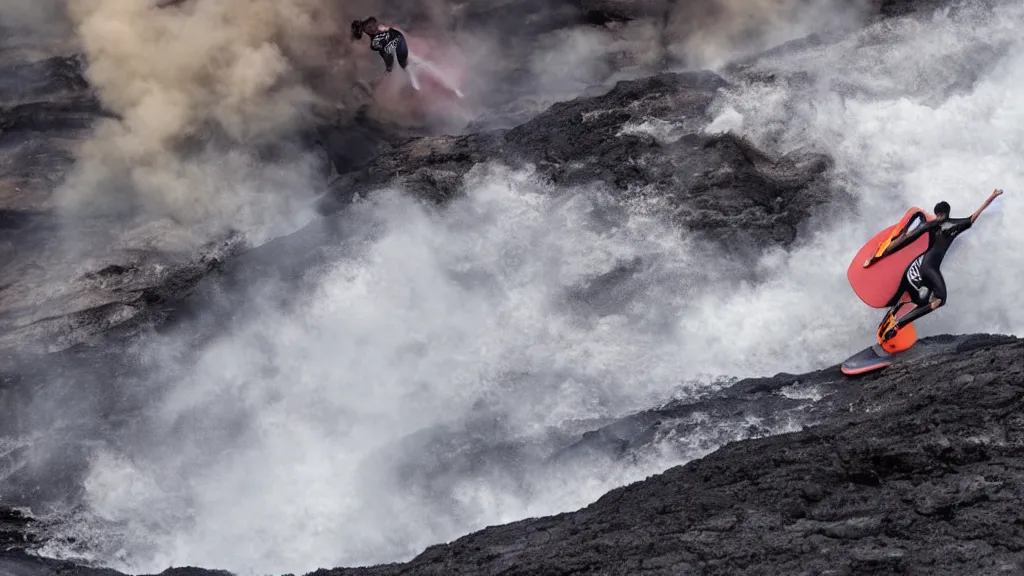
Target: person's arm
(919, 216)
(995, 194)
(900, 243)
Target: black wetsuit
(391, 43)
(922, 278)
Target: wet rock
(120, 290)
(46, 109)
(912, 487)
(744, 508)
(644, 137)
(16, 528)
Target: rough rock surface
(919, 475)
(610, 10)
(644, 137)
(911, 470)
(50, 296)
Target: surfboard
(874, 357)
(870, 359)
(877, 285)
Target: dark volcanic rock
(120, 290)
(921, 476)
(21, 564)
(46, 109)
(644, 137)
(889, 8)
(15, 528)
(649, 136)
(46, 106)
(913, 470)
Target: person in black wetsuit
(390, 43)
(922, 279)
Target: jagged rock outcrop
(611, 10)
(644, 137)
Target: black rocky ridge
(715, 183)
(912, 470)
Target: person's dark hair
(942, 208)
(360, 26)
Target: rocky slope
(919, 473)
(644, 137)
(53, 294)
(912, 470)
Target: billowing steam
(234, 71)
(246, 73)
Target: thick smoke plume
(35, 22)
(181, 73)
(236, 70)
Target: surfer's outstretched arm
(995, 194)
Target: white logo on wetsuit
(390, 47)
(945, 226)
(914, 273)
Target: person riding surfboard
(922, 280)
(387, 41)
(391, 44)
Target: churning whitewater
(292, 441)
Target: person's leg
(910, 285)
(402, 52)
(932, 279)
